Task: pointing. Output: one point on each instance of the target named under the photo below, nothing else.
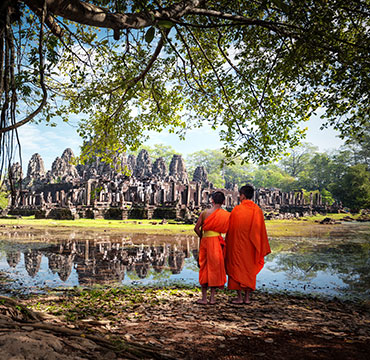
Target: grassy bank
(139, 226)
(306, 226)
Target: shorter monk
(209, 227)
(246, 245)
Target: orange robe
(247, 245)
(211, 251)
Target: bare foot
(212, 302)
(247, 302)
(201, 302)
(237, 301)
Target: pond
(334, 265)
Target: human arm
(198, 225)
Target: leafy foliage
(342, 175)
(271, 176)
(296, 160)
(255, 70)
(358, 148)
(354, 187)
(221, 173)
(3, 199)
(335, 176)
(327, 197)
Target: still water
(336, 265)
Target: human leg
(246, 296)
(238, 299)
(234, 285)
(203, 300)
(212, 299)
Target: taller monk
(246, 245)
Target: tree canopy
(252, 69)
(354, 187)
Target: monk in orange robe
(247, 245)
(209, 227)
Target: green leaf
(165, 23)
(281, 5)
(149, 36)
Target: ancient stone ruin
(134, 187)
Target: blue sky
(50, 142)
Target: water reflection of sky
(187, 276)
(340, 270)
(323, 282)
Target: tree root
(17, 311)
(15, 315)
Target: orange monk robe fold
(211, 255)
(246, 245)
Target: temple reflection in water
(38, 259)
(104, 261)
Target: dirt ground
(174, 326)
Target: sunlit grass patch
(130, 225)
(305, 226)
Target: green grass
(314, 218)
(132, 225)
(308, 226)
(332, 216)
(274, 227)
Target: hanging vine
(10, 76)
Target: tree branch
(192, 62)
(218, 78)
(135, 80)
(49, 20)
(233, 66)
(89, 14)
(42, 83)
(184, 70)
(239, 19)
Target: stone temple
(133, 187)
